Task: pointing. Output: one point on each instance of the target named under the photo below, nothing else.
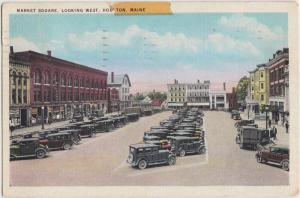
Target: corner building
(62, 88)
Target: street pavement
(102, 161)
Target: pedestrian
(270, 123)
(276, 121)
(287, 127)
(274, 133)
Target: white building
(197, 94)
(218, 100)
(122, 83)
(176, 96)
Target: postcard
(150, 99)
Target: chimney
(49, 52)
(112, 77)
(224, 86)
(198, 81)
(11, 49)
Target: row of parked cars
(249, 135)
(179, 135)
(39, 143)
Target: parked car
(277, 154)
(243, 123)
(150, 138)
(143, 155)
(158, 133)
(104, 125)
(77, 118)
(29, 147)
(132, 117)
(87, 130)
(182, 145)
(147, 112)
(74, 135)
(252, 137)
(235, 115)
(58, 141)
(163, 144)
(43, 133)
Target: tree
(242, 88)
(157, 96)
(139, 97)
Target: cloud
(252, 26)
(167, 41)
(22, 44)
(226, 44)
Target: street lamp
(267, 110)
(42, 117)
(248, 108)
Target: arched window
(76, 81)
(63, 79)
(37, 76)
(87, 83)
(70, 81)
(14, 77)
(56, 78)
(47, 77)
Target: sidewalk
(47, 126)
(282, 136)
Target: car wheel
(67, 146)
(285, 165)
(259, 159)
(201, 150)
(182, 153)
(40, 154)
(172, 160)
(142, 164)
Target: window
(261, 85)
(63, 79)
(76, 81)
(56, 79)
(70, 81)
(19, 79)
(14, 96)
(252, 97)
(37, 76)
(25, 96)
(25, 82)
(262, 97)
(47, 78)
(261, 74)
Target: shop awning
(198, 104)
(175, 104)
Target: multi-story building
(113, 100)
(176, 96)
(60, 88)
(19, 92)
(278, 72)
(197, 94)
(218, 99)
(122, 83)
(258, 88)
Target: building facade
(279, 75)
(122, 83)
(232, 100)
(258, 88)
(176, 96)
(197, 94)
(19, 92)
(60, 88)
(113, 100)
(218, 100)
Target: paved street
(102, 161)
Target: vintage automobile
(132, 117)
(182, 145)
(163, 144)
(87, 130)
(143, 155)
(150, 138)
(252, 137)
(75, 137)
(147, 112)
(77, 118)
(153, 128)
(235, 115)
(58, 141)
(276, 154)
(243, 123)
(43, 133)
(104, 125)
(161, 134)
(29, 147)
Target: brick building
(61, 88)
(232, 100)
(113, 100)
(278, 83)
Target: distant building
(19, 92)
(279, 83)
(113, 100)
(122, 83)
(197, 94)
(218, 100)
(176, 96)
(258, 88)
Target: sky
(156, 49)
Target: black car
(243, 123)
(151, 138)
(132, 117)
(77, 118)
(104, 125)
(143, 155)
(29, 147)
(182, 145)
(147, 112)
(87, 130)
(43, 133)
(74, 135)
(161, 134)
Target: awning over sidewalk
(198, 104)
(175, 104)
